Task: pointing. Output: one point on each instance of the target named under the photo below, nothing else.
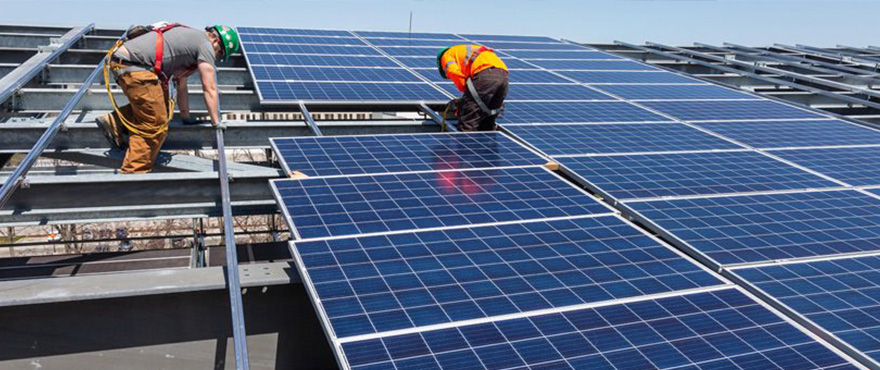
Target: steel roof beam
(873, 64)
(817, 63)
(13, 81)
(50, 99)
(20, 137)
(165, 162)
(77, 73)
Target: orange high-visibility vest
(460, 65)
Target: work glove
(219, 126)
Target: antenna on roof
(410, 27)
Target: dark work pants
(491, 85)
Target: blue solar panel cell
(409, 35)
(756, 228)
(255, 59)
(349, 91)
(290, 31)
(555, 54)
(354, 155)
(854, 166)
(841, 296)
(434, 277)
(714, 330)
(682, 174)
(781, 134)
(574, 139)
(629, 77)
(310, 49)
(673, 92)
(519, 91)
(729, 110)
(321, 207)
(309, 40)
(510, 38)
(388, 74)
(570, 112)
(593, 65)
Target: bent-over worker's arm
(183, 98)
(206, 72)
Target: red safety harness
(160, 49)
(471, 57)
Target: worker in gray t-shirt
(143, 66)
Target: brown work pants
(491, 85)
(147, 112)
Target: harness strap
(160, 50)
(483, 107)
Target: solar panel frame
(631, 176)
(401, 153)
(793, 225)
(532, 112)
(694, 330)
(358, 93)
(672, 92)
(730, 110)
(842, 284)
(629, 77)
(851, 165)
(357, 214)
(591, 65)
(793, 134)
(603, 248)
(556, 140)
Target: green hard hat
(439, 65)
(229, 39)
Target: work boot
(114, 134)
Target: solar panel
(310, 40)
(386, 74)
(594, 65)
(501, 45)
(410, 51)
(350, 155)
(628, 77)
(555, 54)
(729, 110)
(519, 91)
(309, 49)
(573, 139)
(854, 166)
(290, 31)
(779, 134)
(321, 207)
(713, 330)
(683, 174)
(569, 112)
(255, 59)
(673, 92)
(408, 35)
(349, 92)
(756, 228)
(377, 284)
(508, 38)
(414, 42)
(840, 296)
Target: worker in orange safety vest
(482, 78)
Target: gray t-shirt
(183, 48)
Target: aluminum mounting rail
(233, 281)
(33, 66)
(771, 80)
(17, 178)
(788, 59)
(307, 117)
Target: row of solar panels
(459, 251)
(447, 277)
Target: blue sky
(754, 22)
